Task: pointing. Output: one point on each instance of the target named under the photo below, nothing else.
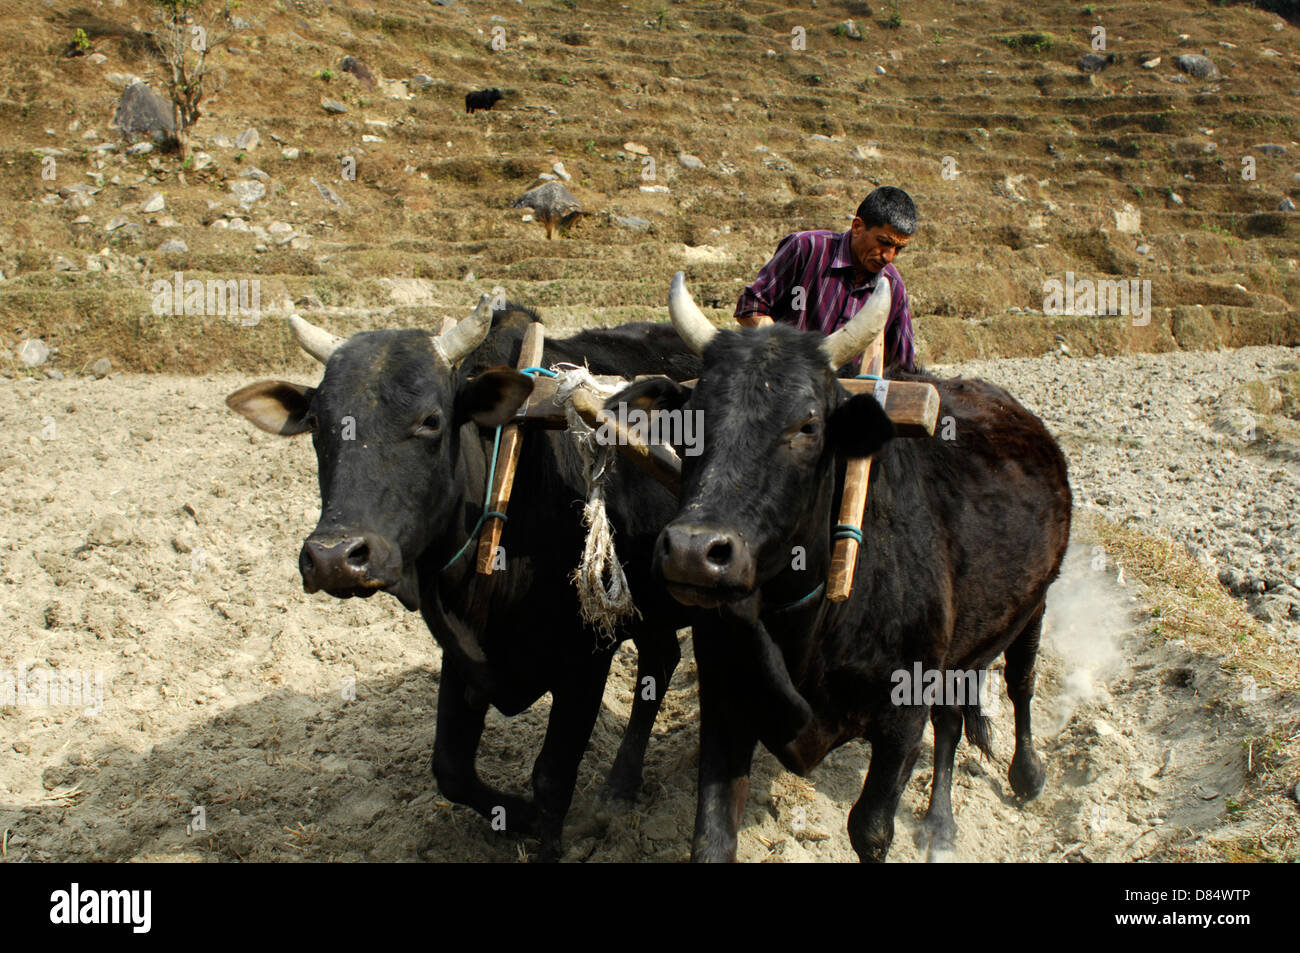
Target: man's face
(874, 248)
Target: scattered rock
(1269, 149)
(62, 264)
(248, 139)
(850, 29)
(656, 189)
(421, 81)
(140, 149)
(327, 193)
(154, 203)
(247, 191)
(688, 161)
(142, 112)
(222, 141)
(253, 172)
(289, 153)
(558, 169)
(358, 69)
(1175, 199)
(101, 368)
(33, 352)
(880, 71)
(1152, 63)
(114, 223)
(631, 221)
(1286, 205)
(54, 374)
(1143, 249)
(1197, 66)
(636, 149)
(332, 105)
(173, 246)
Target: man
(818, 280)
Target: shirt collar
(844, 252)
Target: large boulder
(143, 113)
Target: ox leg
(727, 745)
(657, 658)
(940, 826)
(895, 744)
(574, 707)
(1026, 774)
(455, 747)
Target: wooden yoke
(853, 504)
(512, 441)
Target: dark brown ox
(962, 538)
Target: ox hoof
(1027, 775)
(939, 838)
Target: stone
(114, 223)
(222, 141)
(62, 264)
(201, 160)
(880, 71)
(631, 221)
(248, 139)
(635, 148)
(327, 193)
(1152, 63)
(655, 189)
(1286, 205)
(850, 29)
(1143, 249)
(1094, 62)
(247, 192)
(33, 352)
(253, 172)
(54, 374)
(332, 105)
(558, 169)
(421, 81)
(289, 154)
(140, 149)
(141, 112)
(154, 203)
(1269, 149)
(688, 161)
(101, 368)
(1197, 66)
(172, 246)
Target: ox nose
(706, 557)
(348, 563)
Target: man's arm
(773, 283)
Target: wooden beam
(512, 439)
(853, 502)
(913, 406)
(659, 461)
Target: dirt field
(151, 536)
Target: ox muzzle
(703, 565)
(346, 564)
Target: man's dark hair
(889, 206)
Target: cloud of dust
(1087, 616)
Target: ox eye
(811, 428)
(430, 426)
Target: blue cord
(849, 531)
(538, 370)
(487, 498)
(869, 377)
(798, 602)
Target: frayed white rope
(603, 604)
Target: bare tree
(184, 43)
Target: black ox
(400, 426)
(961, 540)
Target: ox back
(962, 538)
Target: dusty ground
(150, 535)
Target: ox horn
(852, 339)
(317, 342)
(695, 329)
(456, 342)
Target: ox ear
(277, 407)
(492, 397)
(653, 393)
(859, 426)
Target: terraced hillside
(1024, 167)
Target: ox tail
(979, 728)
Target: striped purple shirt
(821, 263)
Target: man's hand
(755, 320)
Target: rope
(848, 531)
(798, 602)
(604, 605)
(487, 499)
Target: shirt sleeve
(774, 280)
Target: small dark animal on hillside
(358, 69)
(1095, 62)
(482, 99)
